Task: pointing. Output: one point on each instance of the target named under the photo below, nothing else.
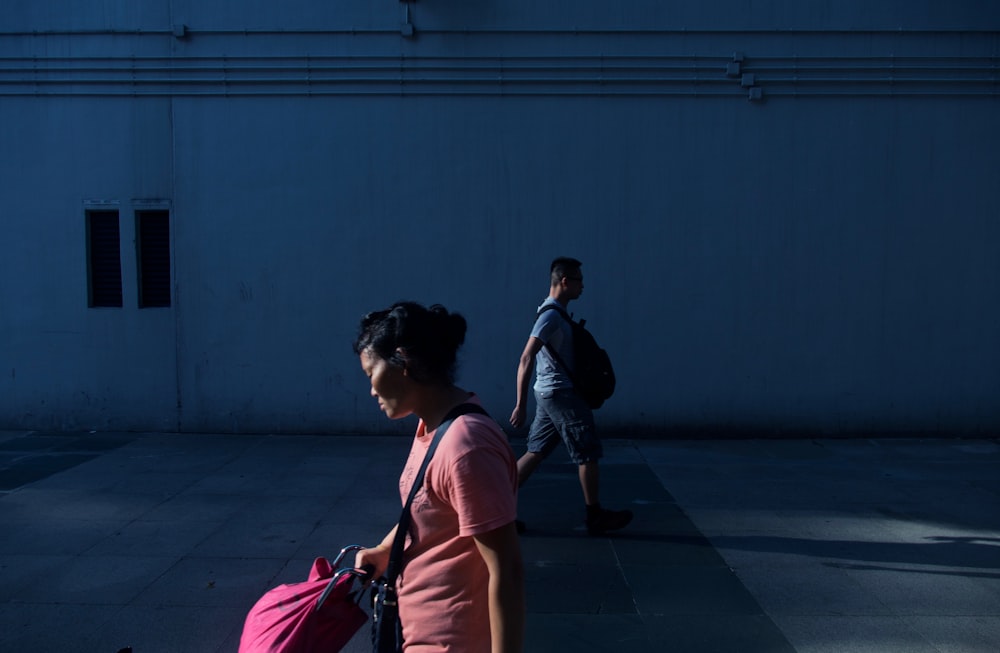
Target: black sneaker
(608, 520)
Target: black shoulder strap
(552, 350)
(396, 554)
(553, 307)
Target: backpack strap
(552, 350)
(553, 307)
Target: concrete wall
(788, 214)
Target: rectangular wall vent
(153, 245)
(104, 266)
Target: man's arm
(525, 368)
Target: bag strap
(554, 307)
(403, 527)
(550, 348)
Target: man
(560, 413)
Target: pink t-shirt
(470, 488)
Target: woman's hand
(375, 559)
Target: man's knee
(526, 465)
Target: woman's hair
(428, 337)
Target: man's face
(574, 283)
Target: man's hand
(517, 417)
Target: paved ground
(163, 542)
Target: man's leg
(575, 422)
(526, 466)
(542, 438)
(589, 482)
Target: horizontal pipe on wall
(601, 75)
(508, 32)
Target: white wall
(819, 260)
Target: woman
(462, 584)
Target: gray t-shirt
(553, 330)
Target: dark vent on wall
(104, 259)
(153, 230)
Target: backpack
(593, 377)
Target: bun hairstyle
(423, 341)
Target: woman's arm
(501, 550)
(377, 556)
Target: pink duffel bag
(319, 615)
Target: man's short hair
(563, 267)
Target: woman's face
(390, 385)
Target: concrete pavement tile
(235, 483)
(977, 448)
(584, 633)
(212, 582)
(807, 588)
(654, 550)
(853, 634)
(712, 521)
(232, 642)
(715, 633)
(952, 550)
(40, 503)
(552, 550)
(795, 450)
(87, 478)
(97, 442)
(33, 442)
(809, 526)
(11, 435)
(332, 461)
(276, 508)
(56, 537)
(989, 486)
(913, 590)
(166, 629)
(296, 570)
(903, 527)
(659, 517)
(329, 537)
(806, 548)
(551, 502)
(155, 538)
(378, 508)
(187, 506)
(182, 453)
(683, 590)
(869, 524)
(552, 519)
(560, 588)
(96, 580)
(256, 464)
(977, 513)
(26, 470)
(760, 494)
(621, 452)
(48, 627)
(959, 634)
(298, 484)
(254, 539)
(20, 571)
